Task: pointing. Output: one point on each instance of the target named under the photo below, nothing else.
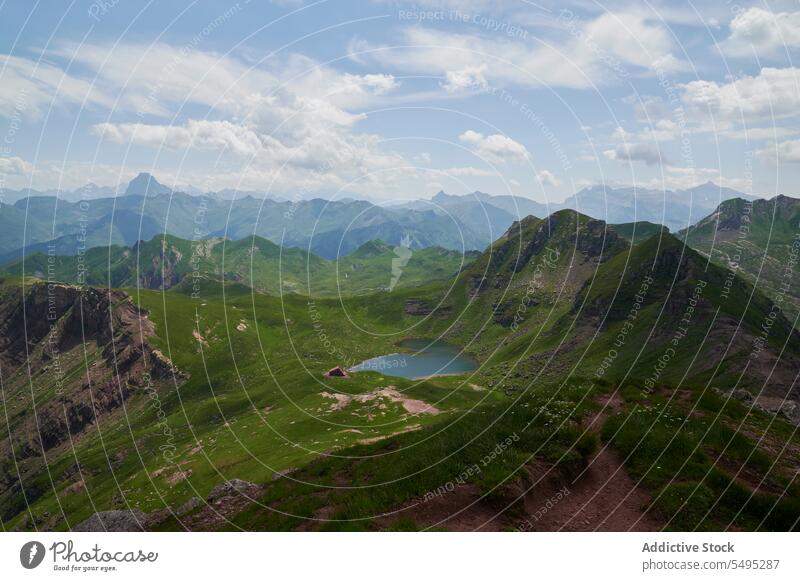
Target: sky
(397, 100)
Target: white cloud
(466, 79)
(496, 148)
(758, 133)
(195, 134)
(749, 107)
(629, 149)
(628, 152)
(14, 166)
(762, 32)
(580, 53)
(632, 40)
(772, 93)
(291, 121)
(546, 178)
(788, 151)
(29, 87)
(469, 171)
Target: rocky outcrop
(91, 343)
(114, 521)
(782, 407)
(189, 506)
(234, 487)
(421, 308)
(163, 272)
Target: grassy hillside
(637, 232)
(758, 240)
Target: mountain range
(146, 208)
(326, 228)
(675, 209)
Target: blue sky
(395, 100)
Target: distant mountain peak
(145, 184)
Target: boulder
(231, 488)
(114, 521)
(189, 506)
(791, 411)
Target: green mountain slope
(759, 240)
(636, 232)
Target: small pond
(424, 358)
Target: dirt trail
(602, 498)
(462, 510)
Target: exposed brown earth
(603, 497)
(410, 405)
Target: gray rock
(791, 411)
(189, 506)
(232, 487)
(282, 473)
(742, 395)
(113, 521)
